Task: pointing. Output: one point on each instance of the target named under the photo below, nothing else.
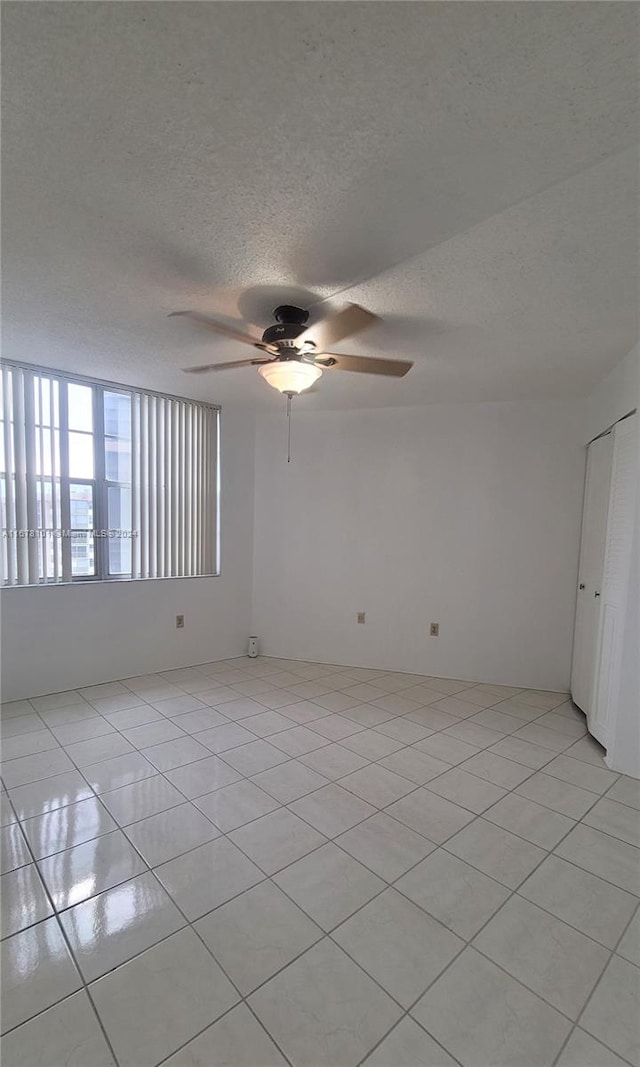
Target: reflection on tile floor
(262, 862)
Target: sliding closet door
(616, 576)
(592, 552)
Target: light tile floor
(261, 862)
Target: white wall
(63, 637)
(468, 515)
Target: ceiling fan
(296, 355)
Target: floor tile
(37, 971)
(527, 819)
(385, 846)
(177, 705)
(98, 749)
(203, 776)
(289, 781)
(611, 1015)
(626, 791)
(497, 769)
(235, 1040)
(257, 934)
(333, 761)
(398, 944)
(560, 796)
(7, 814)
(355, 1012)
(432, 719)
(587, 750)
(278, 698)
(377, 785)
(177, 753)
(196, 721)
(87, 869)
(585, 776)
(329, 885)
(245, 708)
(537, 698)
(545, 738)
(67, 1034)
(397, 703)
(619, 820)
(581, 1050)
(629, 947)
(570, 727)
(27, 744)
(456, 706)
(586, 902)
(119, 702)
(114, 926)
(15, 708)
(497, 720)
(403, 729)
(13, 848)
(496, 852)
(335, 727)
(297, 741)
(606, 856)
(119, 771)
(473, 734)
(58, 700)
(303, 712)
(37, 798)
(549, 957)
(407, 1046)
(487, 1019)
(22, 899)
(222, 738)
(254, 757)
(161, 999)
(368, 715)
(235, 805)
(66, 827)
(276, 840)
(138, 716)
(33, 768)
(153, 733)
(431, 815)
(168, 834)
(106, 689)
(207, 877)
(141, 799)
(332, 809)
(336, 702)
(82, 731)
(415, 765)
(447, 686)
(458, 895)
(514, 748)
(448, 749)
(467, 790)
(267, 723)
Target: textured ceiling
(465, 170)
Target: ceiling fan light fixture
(290, 375)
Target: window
(99, 481)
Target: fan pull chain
(289, 396)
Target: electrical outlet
(362, 616)
(434, 629)
(179, 622)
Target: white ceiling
(465, 170)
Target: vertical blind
(100, 481)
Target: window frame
(100, 484)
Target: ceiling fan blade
(218, 327)
(392, 368)
(343, 323)
(224, 366)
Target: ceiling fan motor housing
(290, 323)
